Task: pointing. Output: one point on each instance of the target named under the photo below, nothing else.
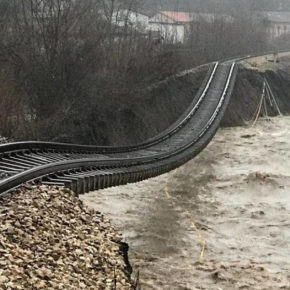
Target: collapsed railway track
(87, 168)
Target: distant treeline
(66, 70)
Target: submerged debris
(50, 240)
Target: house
(137, 18)
(277, 23)
(211, 17)
(171, 25)
(174, 26)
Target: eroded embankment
(157, 107)
(147, 112)
(220, 221)
(248, 92)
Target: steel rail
(46, 169)
(66, 147)
(51, 165)
(17, 161)
(180, 123)
(96, 179)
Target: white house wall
(167, 28)
(170, 32)
(161, 18)
(277, 30)
(130, 18)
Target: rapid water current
(221, 221)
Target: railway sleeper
(18, 162)
(33, 158)
(49, 183)
(91, 180)
(9, 169)
(24, 161)
(12, 164)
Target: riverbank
(196, 227)
(152, 110)
(246, 96)
(220, 221)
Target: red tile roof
(177, 16)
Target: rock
(48, 238)
(3, 280)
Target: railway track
(87, 168)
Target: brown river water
(221, 221)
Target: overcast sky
(209, 5)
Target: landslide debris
(50, 240)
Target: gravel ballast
(50, 240)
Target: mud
(248, 90)
(222, 221)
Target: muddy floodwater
(222, 221)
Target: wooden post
(275, 61)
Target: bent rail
(181, 122)
(91, 172)
(65, 147)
